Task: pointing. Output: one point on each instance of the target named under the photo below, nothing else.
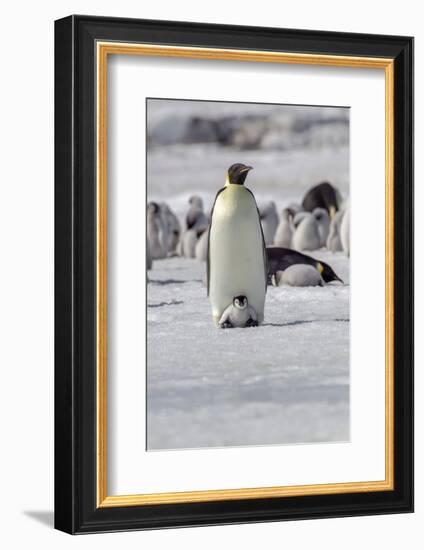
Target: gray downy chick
(298, 275)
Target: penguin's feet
(226, 324)
(252, 323)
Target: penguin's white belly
(236, 252)
(269, 226)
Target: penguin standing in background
(306, 235)
(201, 250)
(149, 260)
(172, 225)
(187, 245)
(345, 230)
(237, 261)
(196, 217)
(323, 221)
(156, 231)
(269, 221)
(334, 243)
(323, 195)
(284, 233)
(196, 224)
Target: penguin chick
(155, 231)
(323, 221)
(187, 246)
(298, 275)
(345, 230)
(334, 243)
(283, 235)
(173, 227)
(238, 314)
(269, 221)
(196, 218)
(306, 235)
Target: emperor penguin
(149, 260)
(237, 260)
(202, 246)
(283, 235)
(323, 221)
(306, 235)
(334, 243)
(173, 227)
(238, 314)
(281, 259)
(269, 221)
(156, 231)
(196, 217)
(345, 230)
(323, 195)
(187, 244)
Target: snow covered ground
(286, 381)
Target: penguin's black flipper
(264, 253)
(208, 269)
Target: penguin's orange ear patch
(320, 267)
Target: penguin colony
(248, 246)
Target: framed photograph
(234, 288)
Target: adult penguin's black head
(237, 173)
(327, 273)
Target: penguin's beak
(338, 279)
(246, 169)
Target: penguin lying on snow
(279, 259)
(238, 314)
(298, 275)
(237, 261)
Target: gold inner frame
(104, 49)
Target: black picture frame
(76, 510)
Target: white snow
(286, 381)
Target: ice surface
(286, 381)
